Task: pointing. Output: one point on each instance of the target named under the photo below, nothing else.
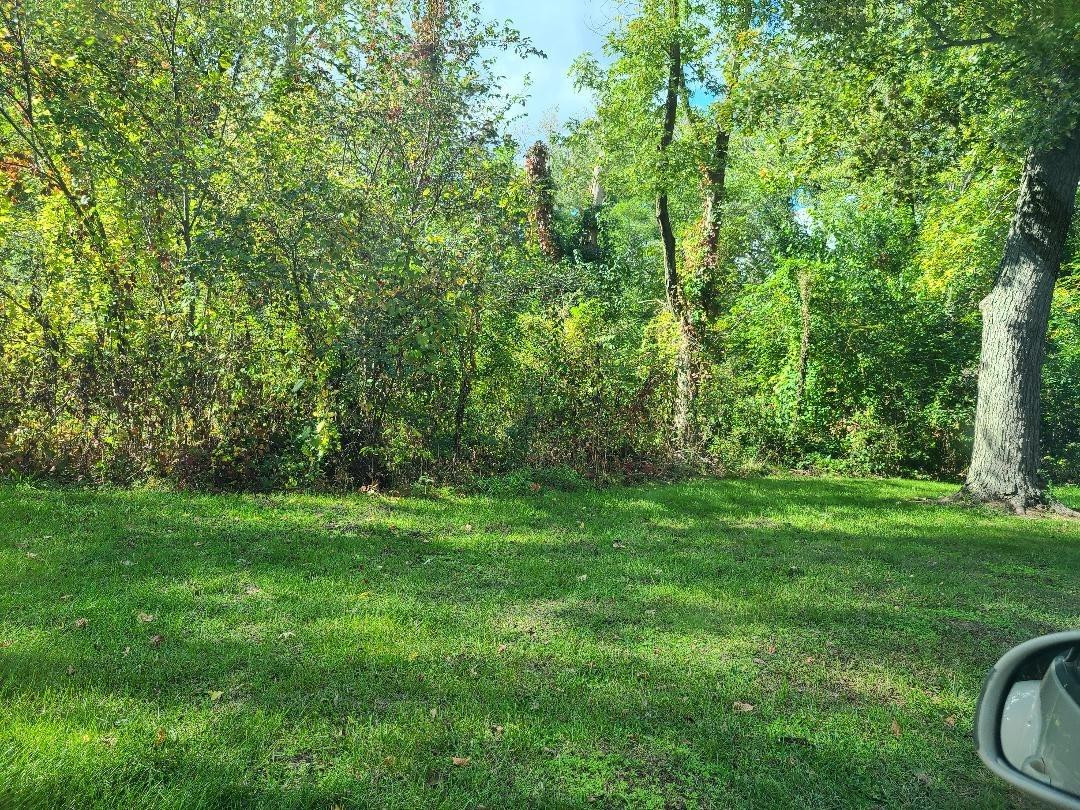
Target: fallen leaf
(156, 640)
(146, 618)
(215, 695)
(924, 778)
(617, 545)
(950, 721)
(81, 623)
(109, 741)
(502, 648)
(534, 487)
(467, 527)
(460, 762)
(5, 644)
(71, 670)
(159, 736)
(31, 555)
(743, 708)
(896, 729)
(389, 761)
(583, 577)
(434, 713)
(770, 649)
(287, 635)
(65, 597)
(497, 730)
(127, 650)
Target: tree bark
(685, 382)
(1005, 460)
(542, 190)
(713, 190)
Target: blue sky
(563, 29)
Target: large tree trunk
(1005, 461)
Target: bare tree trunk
(1005, 461)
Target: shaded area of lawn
(598, 648)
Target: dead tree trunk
(542, 211)
(1005, 460)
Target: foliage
(288, 246)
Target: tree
(1017, 67)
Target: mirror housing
(1027, 724)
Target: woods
(293, 246)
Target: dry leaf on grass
(157, 640)
(159, 736)
(743, 708)
(215, 695)
(81, 623)
(460, 762)
(146, 618)
(896, 732)
(950, 721)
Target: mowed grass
(781, 642)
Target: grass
(587, 649)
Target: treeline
(269, 244)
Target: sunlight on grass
(767, 642)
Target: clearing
(775, 642)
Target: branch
(945, 42)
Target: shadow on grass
(834, 606)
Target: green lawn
(589, 649)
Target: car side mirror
(1027, 724)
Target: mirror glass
(1040, 722)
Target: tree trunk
(685, 377)
(713, 191)
(542, 191)
(804, 340)
(1005, 461)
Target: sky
(562, 29)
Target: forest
(366, 442)
(276, 244)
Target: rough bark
(1005, 460)
(542, 211)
